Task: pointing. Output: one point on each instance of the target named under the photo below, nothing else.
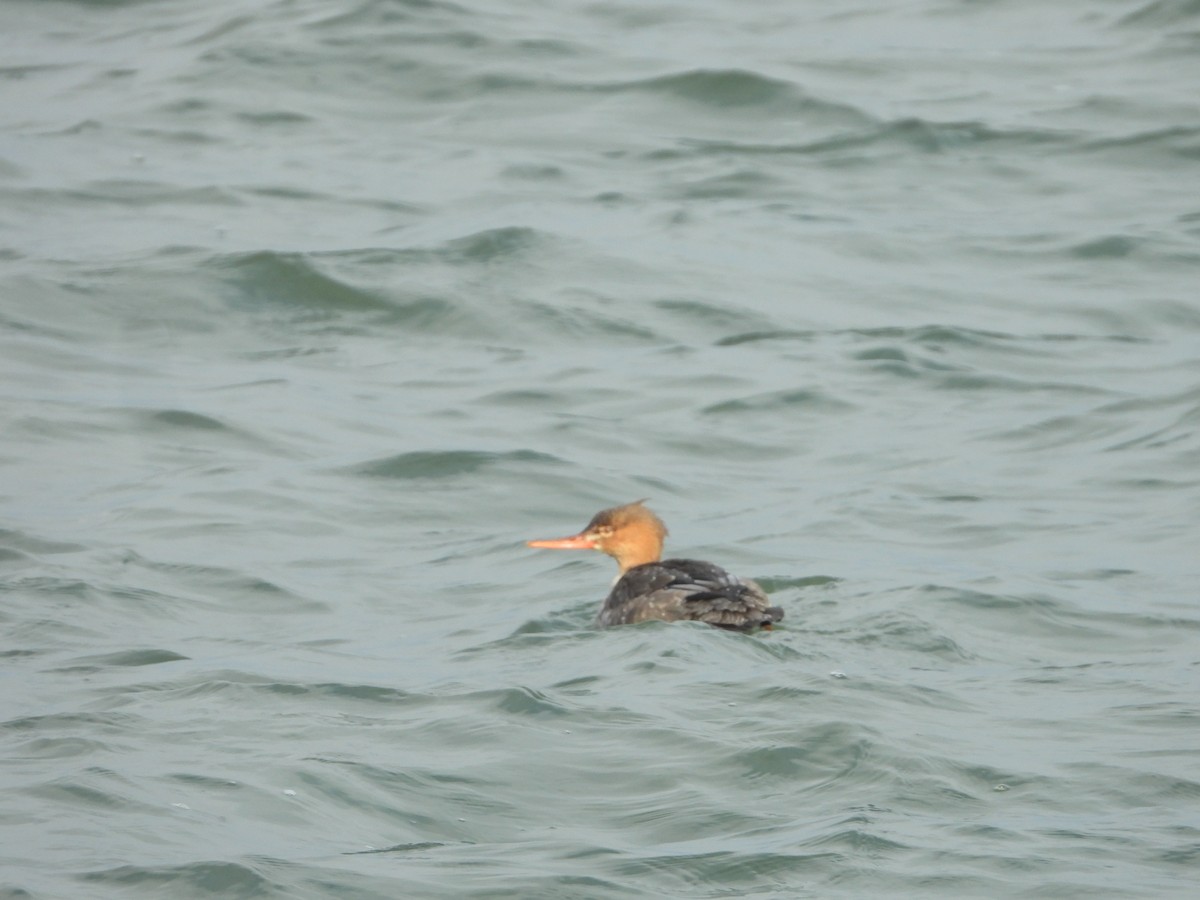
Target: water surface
(312, 312)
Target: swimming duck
(650, 587)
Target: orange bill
(575, 542)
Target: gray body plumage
(675, 589)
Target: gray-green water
(311, 312)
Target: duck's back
(675, 589)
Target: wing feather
(675, 589)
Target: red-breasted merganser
(668, 589)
